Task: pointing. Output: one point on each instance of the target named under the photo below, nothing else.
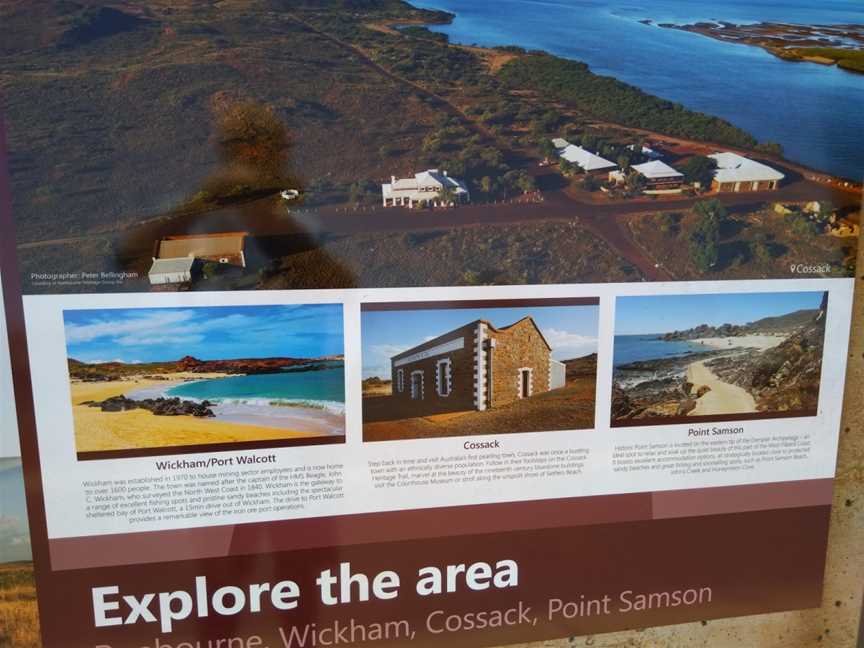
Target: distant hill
(188, 364)
(583, 367)
(783, 324)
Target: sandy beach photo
(201, 378)
(705, 357)
(436, 369)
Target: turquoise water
(814, 111)
(324, 388)
(631, 348)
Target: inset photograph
(717, 357)
(150, 381)
(441, 369)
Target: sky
(570, 330)
(666, 313)
(208, 333)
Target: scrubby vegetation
(608, 99)
(19, 616)
(502, 255)
(847, 59)
(746, 243)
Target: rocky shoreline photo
(768, 365)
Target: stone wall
(519, 346)
(461, 396)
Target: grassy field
(19, 617)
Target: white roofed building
(586, 160)
(659, 177)
(425, 188)
(171, 271)
(738, 173)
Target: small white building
(737, 173)
(171, 271)
(424, 188)
(586, 160)
(557, 374)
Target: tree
(699, 168)
(712, 209)
(624, 161)
(634, 183)
(447, 196)
(801, 225)
(665, 221)
(487, 185)
(705, 237)
(771, 148)
(547, 149)
(826, 210)
(704, 248)
(210, 269)
(590, 183)
(590, 141)
(518, 181)
(566, 166)
(761, 248)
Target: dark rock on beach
(158, 406)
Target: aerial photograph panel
(290, 144)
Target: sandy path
(723, 397)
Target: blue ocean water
(324, 388)
(814, 111)
(631, 348)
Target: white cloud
(566, 345)
(159, 340)
(151, 323)
(378, 359)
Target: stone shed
(476, 366)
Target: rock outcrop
(782, 324)
(784, 378)
(158, 406)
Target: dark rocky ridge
(584, 367)
(158, 406)
(115, 370)
(785, 378)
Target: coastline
(843, 179)
(98, 431)
(759, 342)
